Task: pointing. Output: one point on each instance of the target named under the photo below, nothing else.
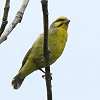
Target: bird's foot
(49, 77)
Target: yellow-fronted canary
(33, 60)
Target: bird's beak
(66, 21)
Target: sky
(76, 74)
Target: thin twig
(16, 20)
(46, 50)
(5, 17)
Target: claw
(48, 78)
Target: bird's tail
(17, 81)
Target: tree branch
(16, 20)
(5, 17)
(46, 50)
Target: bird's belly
(56, 51)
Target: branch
(16, 20)
(5, 16)
(46, 50)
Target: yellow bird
(33, 60)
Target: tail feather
(17, 82)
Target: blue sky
(76, 74)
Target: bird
(33, 60)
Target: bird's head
(61, 22)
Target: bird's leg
(44, 76)
(41, 70)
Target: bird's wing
(25, 58)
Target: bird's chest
(56, 44)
